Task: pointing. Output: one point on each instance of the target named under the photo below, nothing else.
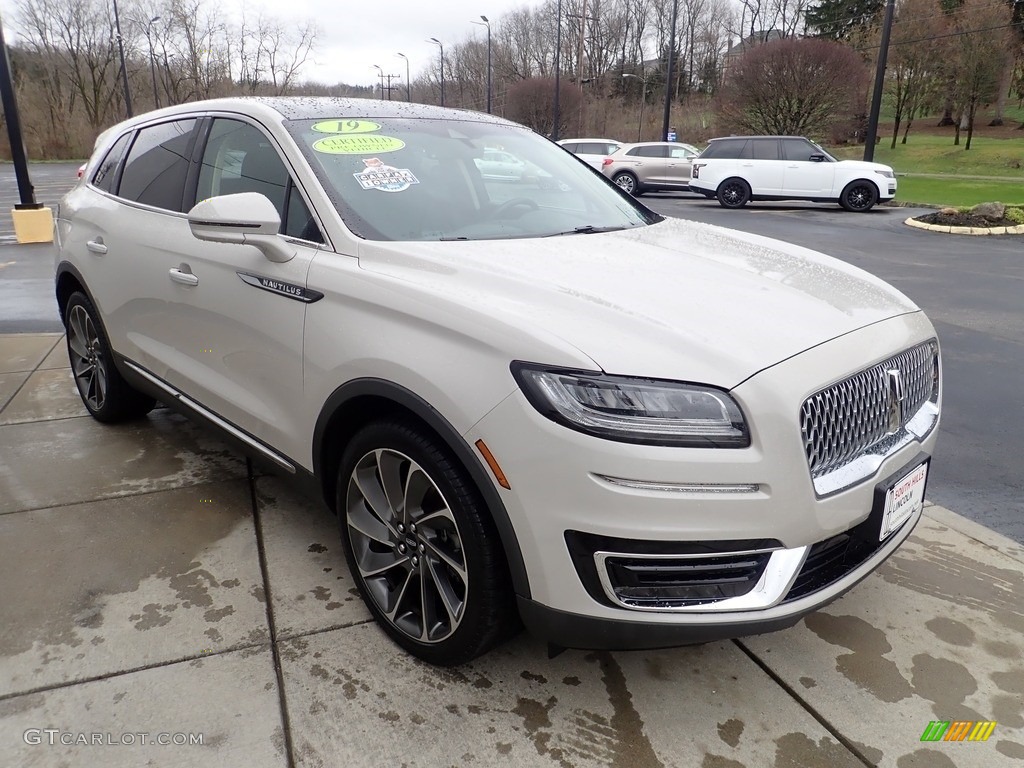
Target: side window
(106, 173)
(574, 148)
(746, 152)
(634, 152)
(679, 152)
(765, 149)
(157, 165)
(797, 149)
(239, 158)
(654, 151)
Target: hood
(863, 165)
(674, 300)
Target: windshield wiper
(587, 229)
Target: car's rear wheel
(107, 396)
(859, 196)
(421, 546)
(627, 182)
(733, 193)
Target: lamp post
(124, 68)
(486, 23)
(152, 66)
(408, 92)
(643, 98)
(438, 43)
(558, 68)
(668, 71)
(380, 73)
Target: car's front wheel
(733, 193)
(420, 544)
(859, 196)
(107, 396)
(627, 182)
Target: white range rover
(739, 169)
(551, 406)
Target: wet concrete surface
(152, 585)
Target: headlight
(634, 410)
(887, 174)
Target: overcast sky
(356, 35)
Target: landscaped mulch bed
(963, 220)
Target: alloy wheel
(88, 363)
(406, 545)
(625, 182)
(860, 197)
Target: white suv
(551, 405)
(739, 169)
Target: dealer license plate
(903, 499)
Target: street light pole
(152, 66)
(643, 98)
(668, 71)
(408, 92)
(380, 73)
(438, 43)
(487, 24)
(124, 68)
(558, 67)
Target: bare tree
(915, 61)
(793, 87)
(982, 37)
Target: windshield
(429, 179)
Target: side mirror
(247, 218)
(817, 158)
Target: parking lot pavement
(154, 589)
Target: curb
(974, 530)
(1017, 230)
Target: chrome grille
(844, 421)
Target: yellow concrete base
(33, 225)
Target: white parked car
(591, 151)
(551, 405)
(739, 169)
(497, 165)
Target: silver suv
(739, 169)
(652, 166)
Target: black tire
(859, 196)
(432, 573)
(733, 193)
(107, 396)
(627, 182)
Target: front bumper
(761, 494)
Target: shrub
(1016, 215)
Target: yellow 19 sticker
(346, 126)
(357, 145)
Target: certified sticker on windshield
(383, 177)
(346, 126)
(365, 144)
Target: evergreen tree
(840, 19)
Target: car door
(132, 227)
(653, 168)
(805, 177)
(238, 317)
(762, 166)
(680, 163)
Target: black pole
(668, 72)
(439, 45)
(558, 67)
(152, 72)
(876, 94)
(25, 189)
(488, 64)
(124, 68)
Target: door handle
(183, 277)
(96, 246)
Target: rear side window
(652, 151)
(157, 164)
(730, 149)
(765, 149)
(574, 148)
(595, 148)
(106, 174)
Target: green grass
(931, 153)
(958, 192)
(935, 153)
